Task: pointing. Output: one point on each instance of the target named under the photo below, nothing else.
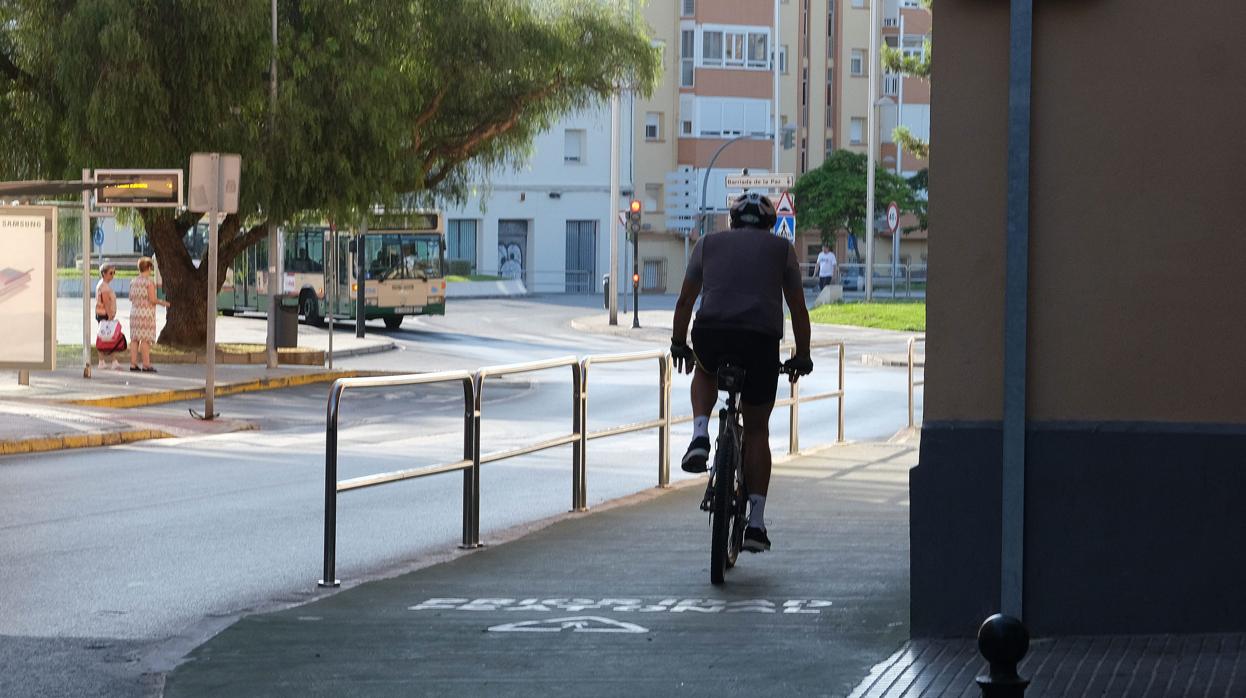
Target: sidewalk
(61, 409)
(613, 602)
(617, 602)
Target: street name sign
(777, 180)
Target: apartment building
(718, 85)
(712, 114)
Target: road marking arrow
(576, 624)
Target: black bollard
(1003, 641)
(605, 289)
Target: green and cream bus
(403, 265)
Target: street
(125, 558)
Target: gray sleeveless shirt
(742, 274)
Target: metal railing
(578, 438)
(794, 399)
(662, 423)
(914, 383)
(469, 465)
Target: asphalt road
(116, 562)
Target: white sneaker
(116, 366)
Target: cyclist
(743, 276)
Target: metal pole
(612, 220)
(872, 143)
(274, 258)
(209, 357)
(793, 415)
(86, 276)
(329, 576)
(471, 452)
(330, 291)
(911, 342)
(842, 396)
(360, 274)
(664, 413)
(1012, 552)
(578, 450)
(775, 52)
(636, 280)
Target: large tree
(832, 197)
(379, 101)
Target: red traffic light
(635, 206)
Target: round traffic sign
(893, 216)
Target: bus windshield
(403, 256)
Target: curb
(361, 351)
(165, 396)
(92, 440)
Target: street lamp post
(705, 182)
(872, 76)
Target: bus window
(305, 251)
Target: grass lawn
(910, 317)
(473, 277)
(71, 273)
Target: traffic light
(633, 220)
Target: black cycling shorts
(756, 352)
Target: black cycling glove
(798, 366)
(682, 356)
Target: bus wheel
(310, 309)
(393, 321)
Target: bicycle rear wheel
(723, 512)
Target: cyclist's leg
(704, 393)
(757, 460)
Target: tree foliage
(894, 60)
(832, 197)
(379, 101)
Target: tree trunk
(184, 284)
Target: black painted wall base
(1130, 528)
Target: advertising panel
(28, 287)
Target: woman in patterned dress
(143, 302)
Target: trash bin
(287, 321)
(605, 289)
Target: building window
(653, 126)
(689, 8)
(732, 116)
(856, 135)
(783, 59)
(858, 3)
(653, 197)
(830, 146)
(712, 48)
(687, 57)
(573, 150)
(736, 48)
(685, 127)
(891, 84)
(856, 65)
(461, 242)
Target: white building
(547, 222)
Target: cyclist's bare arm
(794, 294)
(683, 308)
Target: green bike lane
(615, 601)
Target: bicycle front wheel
(722, 514)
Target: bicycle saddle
(730, 375)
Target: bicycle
(726, 496)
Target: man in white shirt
(826, 267)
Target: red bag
(110, 339)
